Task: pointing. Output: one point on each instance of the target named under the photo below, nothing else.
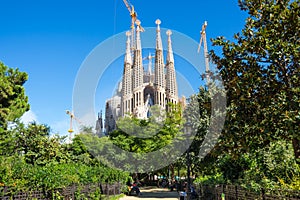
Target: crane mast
(72, 117)
(71, 123)
(132, 13)
(134, 21)
(206, 57)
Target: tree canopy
(259, 144)
(13, 100)
(261, 74)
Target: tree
(206, 112)
(139, 135)
(138, 145)
(34, 142)
(13, 101)
(261, 74)
(197, 112)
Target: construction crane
(132, 13)
(134, 21)
(72, 116)
(206, 57)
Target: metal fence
(68, 193)
(233, 192)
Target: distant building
(99, 125)
(142, 88)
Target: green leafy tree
(31, 158)
(261, 74)
(136, 140)
(79, 150)
(197, 112)
(36, 145)
(13, 101)
(206, 111)
(272, 166)
(145, 136)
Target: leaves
(259, 145)
(13, 101)
(31, 158)
(143, 136)
(260, 72)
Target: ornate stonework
(141, 88)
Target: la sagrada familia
(142, 87)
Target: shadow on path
(152, 193)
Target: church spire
(159, 59)
(99, 125)
(138, 69)
(159, 69)
(158, 36)
(170, 56)
(138, 73)
(138, 36)
(128, 59)
(171, 84)
(127, 79)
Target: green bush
(210, 179)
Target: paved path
(151, 193)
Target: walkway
(151, 193)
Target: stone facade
(142, 88)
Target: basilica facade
(143, 87)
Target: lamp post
(187, 130)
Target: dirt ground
(151, 193)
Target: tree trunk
(172, 171)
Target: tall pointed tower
(138, 72)
(159, 78)
(126, 98)
(99, 125)
(171, 83)
(143, 88)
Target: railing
(233, 192)
(68, 193)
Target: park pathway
(152, 193)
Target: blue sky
(50, 40)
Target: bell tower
(159, 74)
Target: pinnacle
(169, 32)
(158, 22)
